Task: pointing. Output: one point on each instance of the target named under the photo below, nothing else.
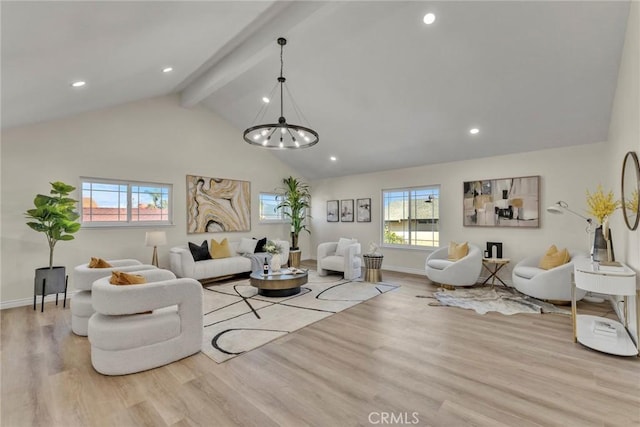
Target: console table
(599, 333)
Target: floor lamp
(559, 208)
(155, 239)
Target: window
(269, 211)
(411, 217)
(121, 203)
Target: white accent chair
(124, 341)
(463, 272)
(342, 258)
(83, 278)
(552, 285)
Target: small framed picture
(363, 207)
(346, 210)
(332, 211)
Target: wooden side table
(498, 264)
(372, 265)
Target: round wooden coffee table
(278, 285)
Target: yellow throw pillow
(553, 259)
(122, 278)
(220, 250)
(98, 263)
(458, 250)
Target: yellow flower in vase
(601, 205)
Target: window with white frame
(107, 202)
(269, 211)
(411, 217)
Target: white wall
(624, 134)
(153, 140)
(565, 174)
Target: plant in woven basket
(601, 205)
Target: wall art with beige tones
(505, 202)
(217, 204)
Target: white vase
(276, 262)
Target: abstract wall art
(505, 202)
(217, 204)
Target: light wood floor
(393, 356)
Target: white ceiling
(382, 89)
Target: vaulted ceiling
(382, 89)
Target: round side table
(372, 265)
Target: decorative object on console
(281, 135)
(601, 206)
(56, 218)
(364, 210)
(295, 200)
(216, 204)
(346, 210)
(155, 239)
(630, 188)
(333, 211)
(505, 202)
(489, 253)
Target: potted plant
(55, 217)
(294, 202)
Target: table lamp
(155, 239)
(560, 207)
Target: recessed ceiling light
(333, 158)
(79, 83)
(167, 69)
(265, 100)
(429, 18)
(474, 131)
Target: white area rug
(503, 300)
(237, 319)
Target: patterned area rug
(237, 319)
(503, 300)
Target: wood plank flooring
(393, 360)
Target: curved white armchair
(553, 284)
(83, 278)
(350, 264)
(124, 341)
(463, 272)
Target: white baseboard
(29, 301)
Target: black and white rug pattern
(237, 319)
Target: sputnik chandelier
(281, 135)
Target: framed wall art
(504, 202)
(363, 210)
(332, 211)
(346, 210)
(217, 204)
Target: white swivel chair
(83, 278)
(551, 285)
(463, 272)
(340, 256)
(124, 341)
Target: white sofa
(552, 285)
(83, 278)
(124, 341)
(349, 263)
(183, 265)
(463, 272)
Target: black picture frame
(333, 211)
(363, 210)
(346, 210)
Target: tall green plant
(294, 202)
(54, 215)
